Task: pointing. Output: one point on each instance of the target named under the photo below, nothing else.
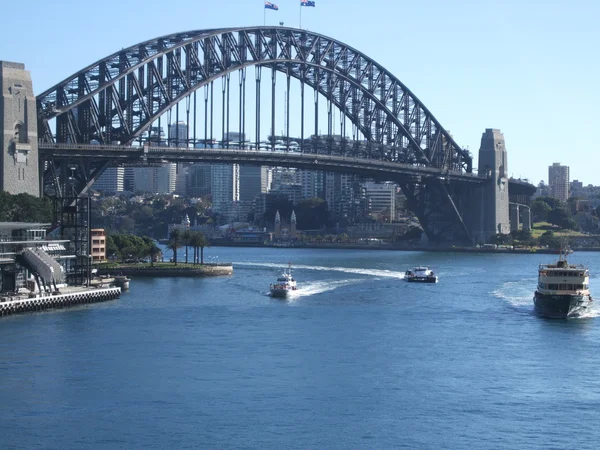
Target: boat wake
(317, 287)
(368, 272)
(518, 294)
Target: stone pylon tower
(277, 226)
(19, 169)
(293, 233)
(493, 215)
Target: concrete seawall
(79, 297)
(200, 271)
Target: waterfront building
(28, 260)
(98, 245)
(558, 180)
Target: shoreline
(388, 247)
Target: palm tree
(195, 242)
(199, 241)
(174, 242)
(186, 238)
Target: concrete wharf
(73, 296)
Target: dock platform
(72, 296)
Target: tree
(186, 237)
(501, 239)
(198, 241)
(557, 216)
(540, 210)
(551, 201)
(569, 224)
(175, 239)
(548, 239)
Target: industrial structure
(350, 116)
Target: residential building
(558, 180)
(98, 245)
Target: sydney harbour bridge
(289, 97)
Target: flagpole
(300, 15)
(264, 17)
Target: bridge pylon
(19, 169)
(491, 216)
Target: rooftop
(23, 225)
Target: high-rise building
(382, 199)
(178, 137)
(111, 180)
(198, 180)
(312, 182)
(558, 180)
(225, 185)
(254, 180)
(156, 180)
(178, 134)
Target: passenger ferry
(563, 289)
(284, 284)
(421, 274)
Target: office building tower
(156, 180)
(178, 134)
(225, 185)
(558, 180)
(382, 200)
(111, 180)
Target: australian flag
(269, 5)
(307, 3)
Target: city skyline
(512, 77)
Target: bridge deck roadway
(331, 163)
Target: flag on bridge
(269, 5)
(307, 3)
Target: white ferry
(284, 284)
(563, 289)
(421, 274)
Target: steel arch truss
(119, 97)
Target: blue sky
(528, 67)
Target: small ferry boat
(563, 289)
(284, 284)
(421, 274)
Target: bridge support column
(514, 217)
(19, 169)
(490, 216)
(526, 217)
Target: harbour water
(356, 358)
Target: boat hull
(281, 293)
(561, 306)
(422, 279)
